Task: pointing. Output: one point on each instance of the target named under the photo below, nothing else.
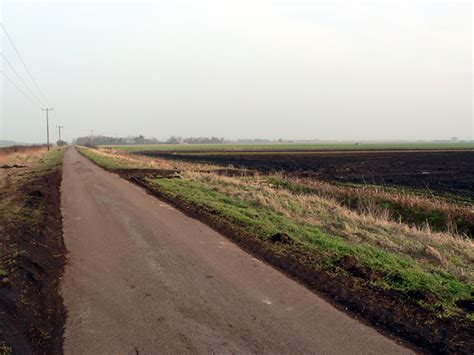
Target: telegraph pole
(59, 128)
(47, 121)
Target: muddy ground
(32, 252)
(449, 172)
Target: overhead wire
(21, 80)
(23, 62)
(18, 88)
(55, 117)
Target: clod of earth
(352, 266)
(14, 166)
(36, 193)
(467, 305)
(425, 296)
(281, 238)
(348, 262)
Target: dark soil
(281, 238)
(348, 285)
(32, 314)
(14, 166)
(440, 171)
(150, 173)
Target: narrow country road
(143, 278)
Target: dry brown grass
(444, 250)
(141, 161)
(7, 153)
(26, 159)
(367, 199)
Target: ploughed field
(440, 171)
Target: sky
(290, 69)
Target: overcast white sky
(329, 69)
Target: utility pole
(59, 128)
(47, 121)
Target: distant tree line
(140, 139)
(106, 140)
(195, 140)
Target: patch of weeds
(51, 159)
(285, 184)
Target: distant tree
(61, 143)
(174, 140)
(89, 144)
(203, 140)
(140, 139)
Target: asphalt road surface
(144, 278)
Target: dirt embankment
(32, 259)
(348, 286)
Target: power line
(23, 62)
(16, 87)
(19, 78)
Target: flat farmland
(440, 171)
(292, 147)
